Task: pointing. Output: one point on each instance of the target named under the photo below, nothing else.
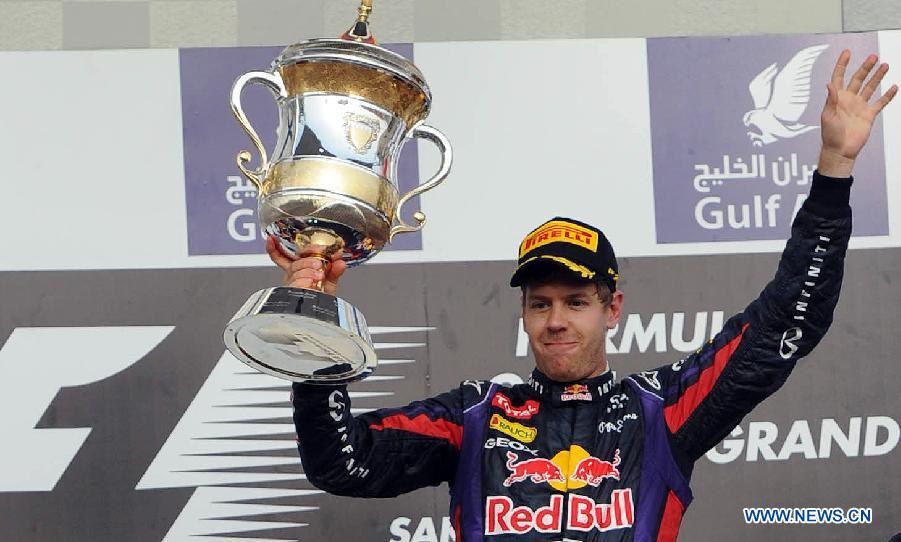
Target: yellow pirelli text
(559, 231)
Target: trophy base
(303, 336)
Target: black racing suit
(597, 459)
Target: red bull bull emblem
(567, 470)
(524, 412)
(592, 470)
(536, 470)
(575, 392)
(583, 514)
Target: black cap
(571, 245)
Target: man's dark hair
(547, 275)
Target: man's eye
(537, 305)
(578, 303)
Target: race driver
(575, 454)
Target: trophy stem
(364, 10)
(359, 31)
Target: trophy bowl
(330, 190)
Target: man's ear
(615, 309)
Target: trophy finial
(360, 31)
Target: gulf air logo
(559, 231)
(568, 469)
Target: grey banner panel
(824, 440)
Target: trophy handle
(440, 140)
(273, 81)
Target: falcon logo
(780, 98)
(788, 345)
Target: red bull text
(583, 514)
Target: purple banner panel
(735, 135)
(221, 203)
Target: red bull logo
(593, 471)
(559, 471)
(575, 392)
(536, 470)
(583, 514)
(524, 412)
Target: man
(574, 454)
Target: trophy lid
(353, 52)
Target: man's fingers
(312, 274)
(304, 278)
(335, 270)
(838, 73)
(861, 74)
(306, 263)
(308, 284)
(276, 255)
(885, 99)
(873, 83)
(831, 97)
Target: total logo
(587, 469)
(583, 514)
(524, 412)
(576, 392)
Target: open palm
(848, 115)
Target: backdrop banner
(124, 418)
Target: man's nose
(556, 318)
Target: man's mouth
(558, 347)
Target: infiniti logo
(788, 346)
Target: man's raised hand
(848, 115)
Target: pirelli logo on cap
(559, 231)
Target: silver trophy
(346, 108)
